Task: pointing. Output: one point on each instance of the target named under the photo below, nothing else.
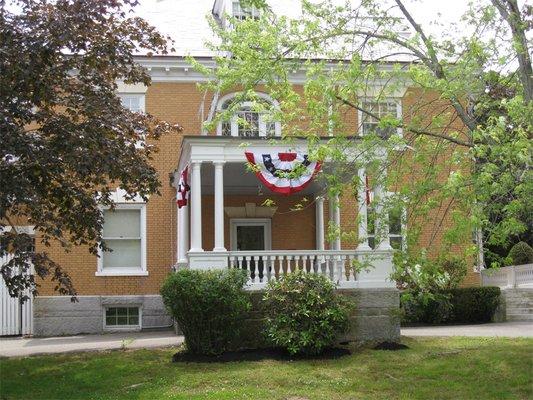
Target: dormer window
(241, 13)
(247, 121)
(381, 109)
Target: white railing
(508, 277)
(16, 318)
(267, 265)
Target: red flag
(183, 188)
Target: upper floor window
(124, 232)
(247, 121)
(380, 109)
(242, 13)
(133, 102)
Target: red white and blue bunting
(272, 170)
(182, 194)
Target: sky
(184, 20)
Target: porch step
(519, 317)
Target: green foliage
(520, 253)
(304, 314)
(208, 306)
(423, 274)
(459, 305)
(66, 141)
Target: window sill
(121, 272)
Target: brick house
(225, 223)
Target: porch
(226, 223)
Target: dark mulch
(390, 346)
(258, 355)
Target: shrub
(304, 314)
(459, 305)
(208, 307)
(521, 253)
(475, 304)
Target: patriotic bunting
(272, 170)
(183, 188)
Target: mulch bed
(258, 355)
(390, 346)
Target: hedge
(461, 305)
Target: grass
(433, 368)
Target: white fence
(263, 266)
(508, 277)
(16, 317)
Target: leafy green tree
(66, 142)
(348, 53)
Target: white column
(183, 234)
(219, 206)
(362, 228)
(320, 223)
(196, 207)
(381, 225)
(335, 217)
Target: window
(396, 228)
(133, 102)
(241, 13)
(381, 109)
(124, 233)
(122, 317)
(248, 122)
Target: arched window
(247, 121)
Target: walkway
(507, 329)
(17, 347)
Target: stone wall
(57, 315)
(375, 318)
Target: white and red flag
(183, 188)
(275, 170)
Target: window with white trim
(243, 13)
(122, 317)
(247, 121)
(124, 232)
(396, 223)
(133, 102)
(380, 109)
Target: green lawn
(433, 368)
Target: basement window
(122, 317)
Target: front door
(251, 235)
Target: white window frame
(142, 271)
(234, 119)
(140, 96)
(122, 327)
(399, 112)
(266, 223)
(403, 228)
(253, 12)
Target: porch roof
(210, 148)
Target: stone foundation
(58, 316)
(375, 318)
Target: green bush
(208, 306)
(304, 315)
(475, 304)
(521, 253)
(460, 305)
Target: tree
(66, 142)
(371, 50)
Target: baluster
(254, 260)
(231, 262)
(304, 263)
(351, 272)
(341, 270)
(271, 268)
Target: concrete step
(519, 317)
(520, 310)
